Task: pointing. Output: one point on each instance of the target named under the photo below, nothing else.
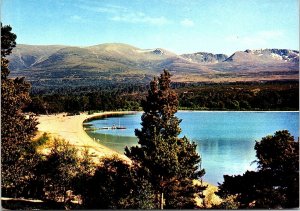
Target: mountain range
(60, 65)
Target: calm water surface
(225, 139)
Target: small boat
(114, 127)
(120, 127)
(117, 127)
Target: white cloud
(187, 22)
(140, 18)
(100, 9)
(123, 14)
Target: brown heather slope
(117, 62)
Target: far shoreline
(97, 116)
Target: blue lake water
(225, 139)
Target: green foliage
(115, 185)
(168, 162)
(243, 96)
(41, 140)
(8, 42)
(57, 171)
(278, 153)
(18, 156)
(81, 181)
(74, 101)
(240, 96)
(276, 183)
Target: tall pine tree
(168, 162)
(17, 130)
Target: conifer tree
(168, 162)
(58, 170)
(115, 185)
(17, 152)
(86, 168)
(276, 183)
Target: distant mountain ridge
(25, 56)
(280, 54)
(265, 55)
(118, 62)
(204, 57)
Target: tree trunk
(162, 201)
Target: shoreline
(71, 129)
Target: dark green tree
(8, 42)
(168, 162)
(115, 185)
(82, 179)
(276, 183)
(278, 156)
(58, 170)
(18, 156)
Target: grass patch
(41, 140)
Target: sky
(181, 26)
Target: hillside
(204, 57)
(26, 56)
(56, 65)
(265, 56)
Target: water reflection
(225, 156)
(115, 142)
(225, 139)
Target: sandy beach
(71, 129)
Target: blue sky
(181, 26)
